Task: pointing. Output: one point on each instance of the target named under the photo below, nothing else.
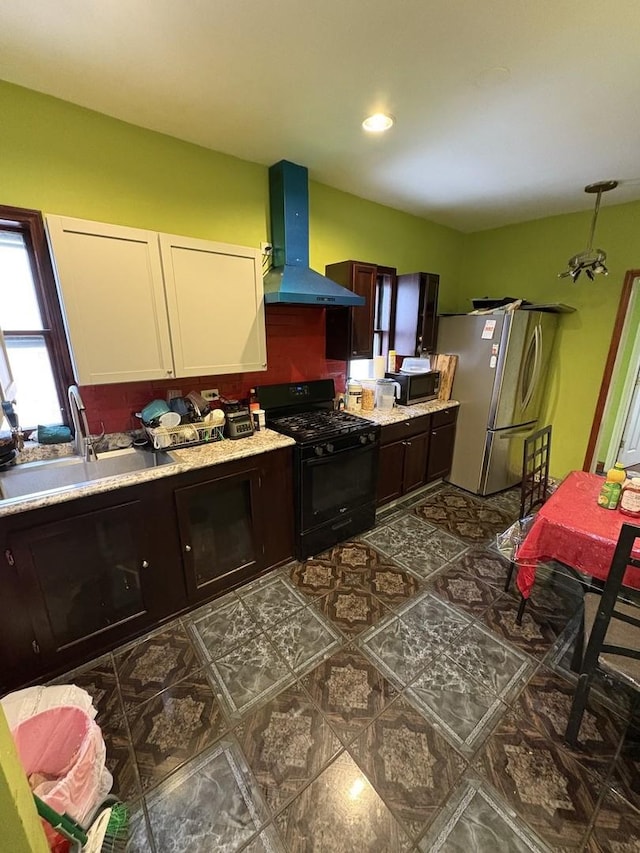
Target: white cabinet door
(110, 278)
(215, 299)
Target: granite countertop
(384, 417)
(187, 459)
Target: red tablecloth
(573, 529)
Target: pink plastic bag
(65, 745)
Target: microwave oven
(416, 387)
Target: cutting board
(446, 364)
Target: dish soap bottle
(612, 487)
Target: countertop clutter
(187, 459)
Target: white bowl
(170, 420)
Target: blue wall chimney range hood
(291, 281)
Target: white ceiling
(293, 79)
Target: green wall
(524, 260)
(64, 159)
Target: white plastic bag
(22, 704)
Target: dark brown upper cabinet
(366, 330)
(416, 315)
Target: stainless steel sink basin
(33, 477)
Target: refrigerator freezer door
(475, 344)
(503, 458)
(522, 366)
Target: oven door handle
(354, 451)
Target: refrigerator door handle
(535, 373)
(512, 433)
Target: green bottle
(609, 496)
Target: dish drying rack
(184, 435)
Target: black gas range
(336, 462)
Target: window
(31, 320)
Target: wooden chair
(533, 490)
(617, 641)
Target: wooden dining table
(572, 529)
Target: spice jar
(630, 499)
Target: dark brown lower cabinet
(220, 526)
(82, 577)
(443, 434)
(415, 452)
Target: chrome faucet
(84, 442)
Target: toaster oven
(416, 387)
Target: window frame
(30, 224)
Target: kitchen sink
(32, 477)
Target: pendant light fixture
(591, 261)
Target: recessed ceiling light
(378, 122)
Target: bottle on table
(612, 487)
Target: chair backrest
(535, 470)
(622, 560)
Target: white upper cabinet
(140, 305)
(216, 306)
(110, 281)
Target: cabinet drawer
(405, 429)
(446, 416)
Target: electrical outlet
(210, 394)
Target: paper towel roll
(379, 364)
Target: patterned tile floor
(376, 699)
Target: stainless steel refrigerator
(500, 383)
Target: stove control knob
(318, 450)
(372, 437)
(363, 439)
(330, 448)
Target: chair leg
(578, 651)
(512, 566)
(521, 607)
(578, 708)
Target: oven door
(336, 484)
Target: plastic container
(612, 487)
(630, 498)
(368, 395)
(386, 392)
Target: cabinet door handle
(35, 647)
(169, 372)
(145, 564)
(408, 443)
(187, 547)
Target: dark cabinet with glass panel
(85, 575)
(416, 315)
(365, 330)
(219, 531)
(234, 521)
